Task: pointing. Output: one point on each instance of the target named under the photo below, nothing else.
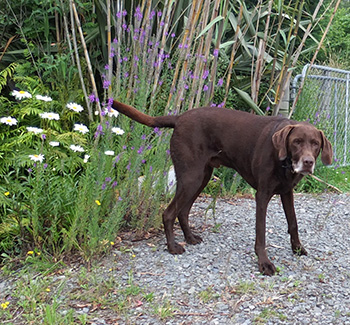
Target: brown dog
(271, 153)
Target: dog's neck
(287, 164)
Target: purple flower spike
(138, 13)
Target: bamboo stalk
(87, 58)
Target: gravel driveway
(217, 281)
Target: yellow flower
(30, 253)
(112, 243)
(48, 289)
(97, 202)
(38, 253)
(5, 305)
(7, 193)
(133, 255)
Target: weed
(207, 295)
(266, 315)
(321, 278)
(149, 297)
(164, 311)
(244, 287)
(216, 227)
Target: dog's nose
(308, 162)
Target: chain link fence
(324, 102)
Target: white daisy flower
(109, 153)
(8, 120)
(21, 94)
(39, 157)
(118, 131)
(54, 143)
(81, 128)
(50, 116)
(86, 158)
(76, 148)
(44, 98)
(75, 107)
(34, 129)
(112, 112)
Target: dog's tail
(134, 114)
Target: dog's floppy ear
(279, 140)
(327, 152)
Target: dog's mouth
(302, 168)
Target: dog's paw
(299, 250)
(267, 268)
(194, 240)
(176, 249)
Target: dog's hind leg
(183, 215)
(189, 186)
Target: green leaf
(249, 101)
(210, 25)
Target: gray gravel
(217, 281)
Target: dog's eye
(315, 143)
(298, 141)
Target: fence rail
(324, 101)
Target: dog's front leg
(288, 207)
(266, 267)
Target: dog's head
(302, 143)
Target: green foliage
(337, 40)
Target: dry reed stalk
(315, 55)
(235, 46)
(168, 6)
(199, 57)
(118, 33)
(77, 59)
(258, 9)
(182, 55)
(213, 69)
(187, 44)
(109, 47)
(136, 49)
(260, 62)
(283, 77)
(205, 57)
(297, 53)
(147, 28)
(66, 29)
